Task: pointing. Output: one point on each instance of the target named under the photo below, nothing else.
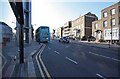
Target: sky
(53, 14)
(6, 14)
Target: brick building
(82, 26)
(109, 24)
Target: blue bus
(43, 34)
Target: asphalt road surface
(74, 60)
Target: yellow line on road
(45, 69)
(42, 74)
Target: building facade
(27, 18)
(60, 32)
(67, 28)
(6, 33)
(28, 28)
(77, 27)
(109, 24)
(97, 30)
(82, 26)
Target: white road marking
(100, 76)
(5, 61)
(71, 60)
(12, 71)
(104, 56)
(67, 46)
(49, 48)
(56, 52)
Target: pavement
(11, 67)
(102, 45)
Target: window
(112, 11)
(116, 32)
(96, 26)
(108, 33)
(113, 22)
(113, 34)
(119, 20)
(104, 23)
(105, 14)
(105, 34)
(119, 8)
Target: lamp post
(111, 29)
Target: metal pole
(109, 44)
(111, 28)
(21, 44)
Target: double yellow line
(42, 64)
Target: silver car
(64, 40)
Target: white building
(67, 28)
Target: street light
(111, 28)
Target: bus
(42, 34)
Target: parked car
(91, 38)
(84, 38)
(71, 38)
(64, 40)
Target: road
(76, 60)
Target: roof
(96, 21)
(91, 14)
(111, 6)
(3, 23)
(87, 14)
